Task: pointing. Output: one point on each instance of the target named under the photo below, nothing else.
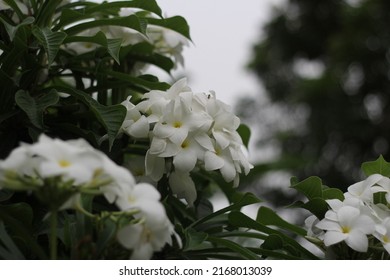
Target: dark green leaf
(239, 219)
(272, 242)
(35, 107)
(9, 250)
(379, 166)
(240, 201)
(132, 22)
(267, 216)
(194, 239)
(317, 206)
(245, 134)
(149, 5)
(113, 46)
(176, 23)
(310, 187)
(244, 252)
(11, 29)
(333, 193)
(51, 41)
(111, 117)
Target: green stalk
(53, 235)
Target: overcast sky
(223, 32)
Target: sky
(223, 34)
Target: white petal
(183, 186)
(357, 241)
(212, 161)
(154, 166)
(333, 237)
(185, 161)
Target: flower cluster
(187, 130)
(59, 172)
(361, 219)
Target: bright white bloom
(135, 124)
(182, 185)
(146, 237)
(382, 233)
(364, 189)
(350, 226)
(61, 158)
(191, 130)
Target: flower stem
(53, 235)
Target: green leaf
(194, 239)
(267, 216)
(245, 134)
(113, 46)
(9, 250)
(379, 166)
(317, 206)
(51, 41)
(11, 29)
(310, 187)
(35, 107)
(149, 5)
(333, 193)
(239, 219)
(244, 252)
(273, 242)
(111, 117)
(132, 22)
(176, 23)
(241, 200)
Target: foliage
(324, 65)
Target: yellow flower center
(64, 163)
(386, 239)
(177, 124)
(345, 229)
(185, 144)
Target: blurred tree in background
(325, 66)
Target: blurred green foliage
(325, 66)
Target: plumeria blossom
(357, 217)
(189, 130)
(75, 164)
(350, 226)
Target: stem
(53, 235)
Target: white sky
(223, 32)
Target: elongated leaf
(244, 200)
(11, 29)
(149, 5)
(51, 41)
(132, 22)
(176, 23)
(113, 46)
(241, 220)
(111, 117)
(9, 250)
(244, 252)
(379, 166)
(267, 216)
(35, 107)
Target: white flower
(135, 124)
(382, 233)
(143, 197)
(364, 189)
(350, 226)
(61, 158)
(183, 186)
(145, 238)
